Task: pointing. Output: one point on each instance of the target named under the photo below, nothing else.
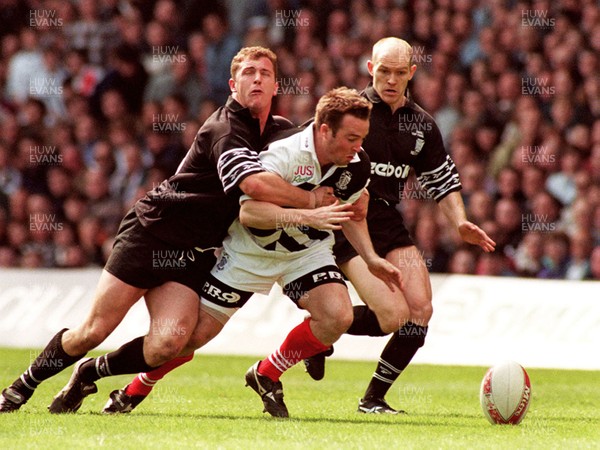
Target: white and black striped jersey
(195, 206)
(295, 160)
(407, 138)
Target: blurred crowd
(100, 100)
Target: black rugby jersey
(408, 138)
(195, 206)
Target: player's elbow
(253, 186)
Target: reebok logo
(388, 170)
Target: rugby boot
(271, 392)
(122, 403)
(12, 398)
(70, 398)
(376, 406)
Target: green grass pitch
(204, 404)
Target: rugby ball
(505, 393)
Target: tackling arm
(266, 216)
(270, 187)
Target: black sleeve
(235, 165)
(434, 168)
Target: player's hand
(471, 233)
(329, 217)
(361, 206)
(324, 196)
(386, 272)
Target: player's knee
(165, 348)
(91, 336)
(421, 313)
(391, 320)
(339, 322)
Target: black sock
(396, 355)
(129, 358)
(365, 323)
(52, 360)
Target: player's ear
(413, 69)
(323, 129)
(276, 88)
(232, 85)
(370, 67)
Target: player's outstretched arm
(270, 187)
(357, 233)
(268, 216)
(454, 209)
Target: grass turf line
(204, 404)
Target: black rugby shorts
(140, 259)
(386, 228)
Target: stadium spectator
(562, 184)
(463, 262)
(23, 66)
(10, 177)
(221, 46)
(90, 33)
(595, 263)
(555, 256)
(578, 267)
(180, 79)
(127, 76)
(480, 207)
(427, 240)
(494, 264)
(510, 219)
(82, 76)
(101, 204)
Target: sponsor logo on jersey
(342, 183)
(218, 294)
(388, 170)
(303, 173)
(420, 142)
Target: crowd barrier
(476, 321)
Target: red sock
(144, 382)
(299, 344)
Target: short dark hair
(338, 102)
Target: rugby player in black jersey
(187, 217)
(401, 136)
(270, 244)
